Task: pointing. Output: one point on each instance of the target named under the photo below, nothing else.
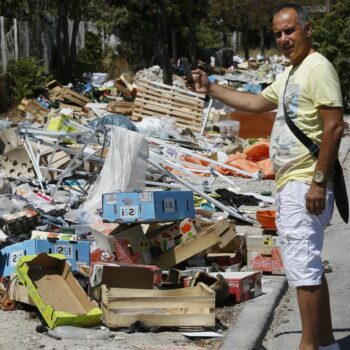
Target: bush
(332, 33)
(26, 77)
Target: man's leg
(326, 336)
(310, 300)
(315, 316)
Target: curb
(256, 316)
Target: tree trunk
(174, 45)
(163, 47)
(73, 43)
(191, 39)
(262, 41)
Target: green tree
(26, 77)
(332, 34)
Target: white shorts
(301, 234)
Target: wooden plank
(179, 307)
(120, 107)
(193, 246)
(168, 113)
(159, 93)
(114, 320)
(186, 124)
(161, 302)
(75, 97)
(196, 103)
(176, 106)
(165, 87)
(167, 107)
(157, 112)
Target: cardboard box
(77, 253)
(20, 222)
(18, 292)
(166, 237)
(172, 308)
(56, 293)
(263, 254)
(147, 206)
(219, 233)
(242, 285)
(128, 242)
(125, 276)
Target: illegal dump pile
(120, 204)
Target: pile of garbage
(129, 200)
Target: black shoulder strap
(305, 140)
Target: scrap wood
(120, 107)
(123, 85)
(75, 97)
(33, 107)
(215, 234)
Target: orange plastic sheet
(258, 150)
(254, 158)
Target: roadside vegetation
(159, 32)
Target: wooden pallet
(156, 99)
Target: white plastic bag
(124, 168)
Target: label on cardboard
(65, 249)
(129, 212)
(14, 257)
(145, 197)
(169, 205)
(111, 198)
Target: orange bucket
(266, 219)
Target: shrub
(332, 33)
(26, 77)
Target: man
(304, 200)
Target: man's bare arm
(239, 100)
(333, 128)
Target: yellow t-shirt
(313, 83)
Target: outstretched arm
(239, 100)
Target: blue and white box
(77, 253)
(147, 206)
